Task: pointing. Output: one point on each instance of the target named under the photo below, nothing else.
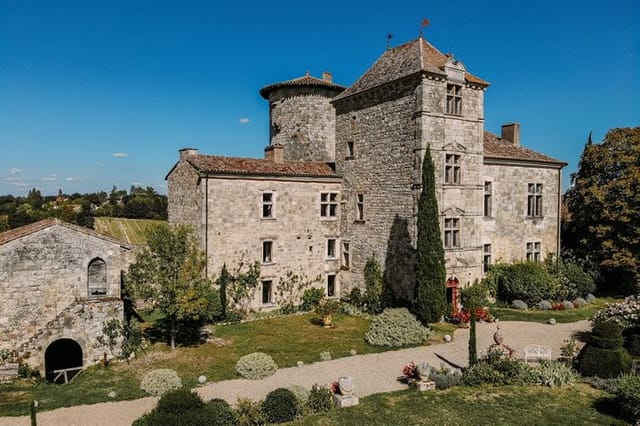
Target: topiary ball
(544, 305)
(160, 381)
(179, 401)
(519, 304)
(257, 365)
(280, 406)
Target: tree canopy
(604, 206)
(430, 298)
(169, 275)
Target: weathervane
(423, 24)
(389, 37)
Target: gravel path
(372, 373)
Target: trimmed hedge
(396, 327)
(280, 406)
(604, 355)
(527, 281)
(257, 365)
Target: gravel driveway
(372, 373)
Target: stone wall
(303, 120)
(184, 197)
(236, 228)
(43, 275)
(510, 229)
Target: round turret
(302, 118)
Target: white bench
(536, 352)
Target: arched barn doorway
(452, 294)
(62, 360)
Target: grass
(286, 339)
(533, 315)
(132, 231)
(485, 405)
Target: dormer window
(454, 99)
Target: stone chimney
(274, 153)
(327, 76)
(511, 133)
(188, 152)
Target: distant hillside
(129, 230)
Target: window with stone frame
(349, 150)
(331, 285)
(346, 254)
(452, 172)
(488, 199)
(267, 251)
(454, 99)
(329, 204)
(451, 232)
(534, 200)
(360, 207)
(486, 257)
(267, 205)
(97, 277)
(533, 251)
(267, 291)
(331, 248)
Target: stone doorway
(452, 294)
(62, 360)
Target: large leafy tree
(604, 203)
(430, 291)
(169, 275)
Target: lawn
(485, 405)
(533, 315)
(286, 339)
(129, 230)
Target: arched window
(97, 277)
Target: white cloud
(49, 178)
(137, 183)
(14, 171)
(69, 179)
(120, 154)
(73, 179)
(244, 120)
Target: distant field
(129, 230)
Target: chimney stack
(188, 152)
(327, 76)
(274, 153)
(511, 133)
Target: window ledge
(268, 218)
(328, 218)
(331, 259)
(350, 157)
(359, 221)
(488, 217)
(535, 217)
(459, 248)
(268, 263)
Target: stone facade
(58, 281)
(412, 97)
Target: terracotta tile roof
(306, 80)
(401, 61)
(497, 148)
(25, 230)
(261, 167)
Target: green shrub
(528, 281)
(579, 302)
(594, 361)
(302, 395)
(354, 311)
(355, 298)
(219, 413)
(445, 378)
(179, 401)
(632, 342)
(590, 298)
(249, 413)
(480, 374)
(519, 304)
(311, 298)
(320, 399)
(496, 368)
(567, 305)
(544, 305)
(553, 373)
(606, 335)
(160, 381)
(280, 406)
(257, 365)
(628, 396)
(396, 327)
(373, 282)
(575, 280)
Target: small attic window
(97, 277)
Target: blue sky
(101, 93)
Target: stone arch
(97, 277)
(452, 293)
(61, 354)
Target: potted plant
(325, 309)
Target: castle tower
(302, 118)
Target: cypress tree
(430, 291)
(223, 281)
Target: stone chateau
(342, 174)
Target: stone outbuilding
(58, 284)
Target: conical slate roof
(402, 61)
(305, 80)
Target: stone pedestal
(425, 385)
(343, 401)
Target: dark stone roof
(497, 148)
(304, 81)
(402, 61)
(31, 228)
(253, 166)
